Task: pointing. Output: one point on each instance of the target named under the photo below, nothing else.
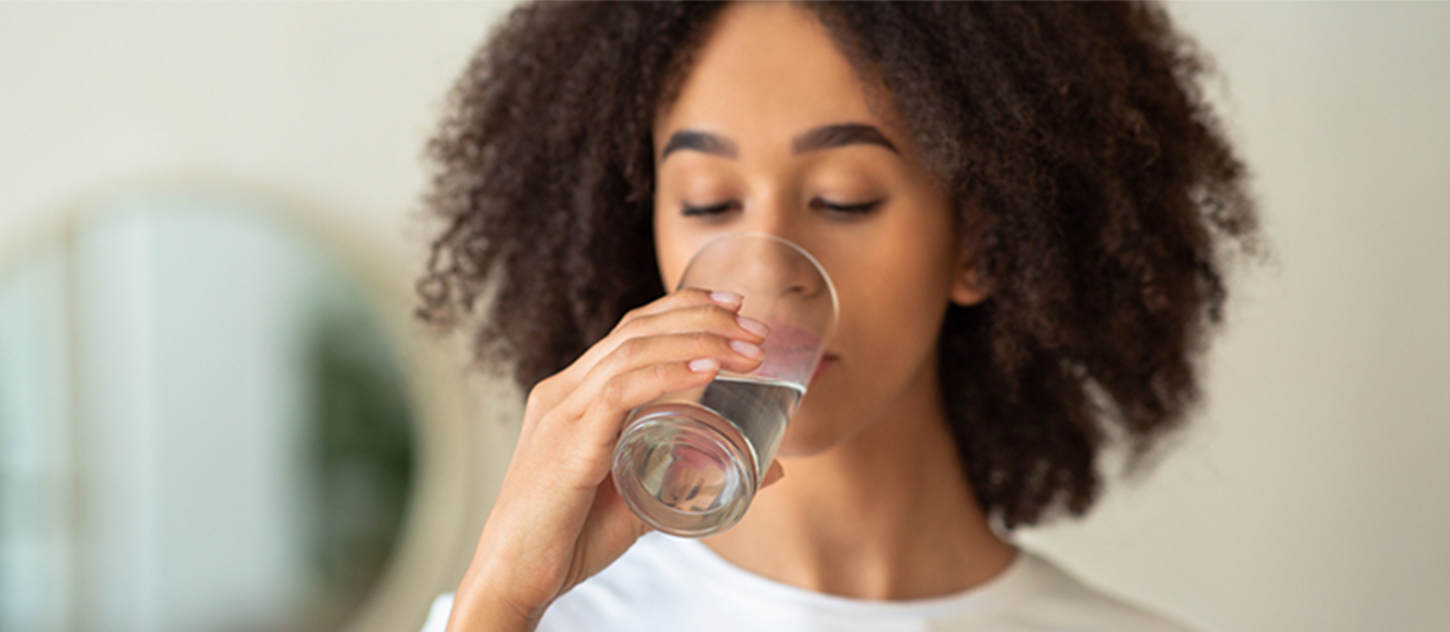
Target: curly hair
(1104, 205)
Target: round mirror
(207, 423)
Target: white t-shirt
(668, 583)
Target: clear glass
(689, 462)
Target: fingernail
(703, 365)
(726, 298)
(746, 349)
(753, 326)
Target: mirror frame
(465, 418)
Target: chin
(811, 433)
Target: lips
(787, 349)
(790, 338)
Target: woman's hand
(558, 519)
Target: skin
(877, 505)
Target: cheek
(673, 248)
(672, 266)
(900, 284)
(893, 299)
(895, 307)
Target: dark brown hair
(1108, 201)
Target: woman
(1023, 208)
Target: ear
(966, 287)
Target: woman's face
(771, 133)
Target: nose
(782, 285)
(776, 267)
(784, 271)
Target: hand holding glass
(689, 462)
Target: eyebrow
(823, 137)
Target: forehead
(766, 72)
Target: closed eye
(862, 208)
(713, 209)
(857, 209)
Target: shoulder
(1061, 601)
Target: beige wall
(1314, 493)
(325, 102)
(1311, 495)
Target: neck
(887, 515)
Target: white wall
(1312, 494)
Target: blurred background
(217, 415)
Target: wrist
(481, 604)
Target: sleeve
(438, 614)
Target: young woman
(1024, 209)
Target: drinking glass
(689, 462)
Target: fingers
(730, 353)
(684, 297)
(713, 318)
(677, 343)
(622, 392)
(576, 438)
(696, 309)
(700, 352)
(687, 310)
(558, 519)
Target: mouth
(826, 361)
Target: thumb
(772, 474)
